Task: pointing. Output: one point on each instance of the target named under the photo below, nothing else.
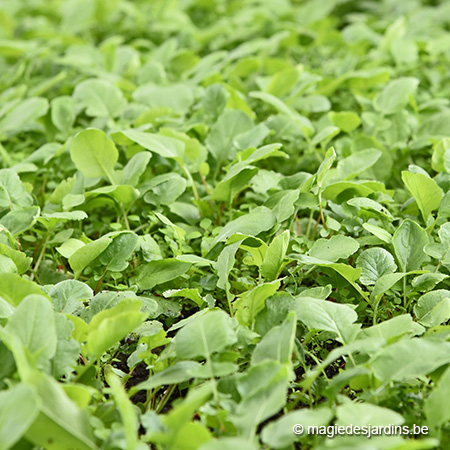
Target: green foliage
(221, 219)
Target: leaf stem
(191, 180)
(41, 255)
(404, 292)
(321, 212)
(308, 229)
(124, 214)
(165, 398)
(97, 288)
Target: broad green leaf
(82, 257)
(7, 265)
(279, 434)
(182, 414)
(13, 193)
(63, 113)
(215, 369)
(395, 96)
(60, 424)
(441, 251)
(282, 82)
(374, 263)
(379, 232)
(94, 154)
(68, 295)
(425, 190)
(278, 343)
(135, 168)
(67, 349)
(302, 122)
(385, 282)
(225, 263)
(243, 171)
(19, 407)
(256, 221)
(367, 414)
(329, 316)
(392, 328)
(221, 137)
(263, 391)
(50, 220)
(106, 300)
(433, 308)
(179, 97)
(126, 410)
(21, 220)
(191, 436)
(345, 120)
(14, 288)
(371, 205)
(312, 104)
(191, 294)
(273, 259)
(6, 309)
(21, 261)
(324, 135)
(333, 249)
(441, 153)
(23, 115)
(122, 194)
(255, 246)
(427, 281)
(285, 203)
(344, 190)
(357, 163)
(399, 361)
(111, 325)
(115, 257)
(207, 334)
(33, 322)
(160, 271)
(252, 138)
(275, 312)
(69, 247)
(250, 303)
(164, 189)
(100, 98)
(214, 100)
(437, 408)
(409, 240)
(164, 146)
(435, 125)
(348, 272)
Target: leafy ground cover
(219, 219)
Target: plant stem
(41, 255)
(404, 292)
(97, 288)
(308, 229)
(165, 398)
(125, 218)
(230, 306)
(191, 180)
(375, 311)
(321, 212)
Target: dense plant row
(219, 219)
